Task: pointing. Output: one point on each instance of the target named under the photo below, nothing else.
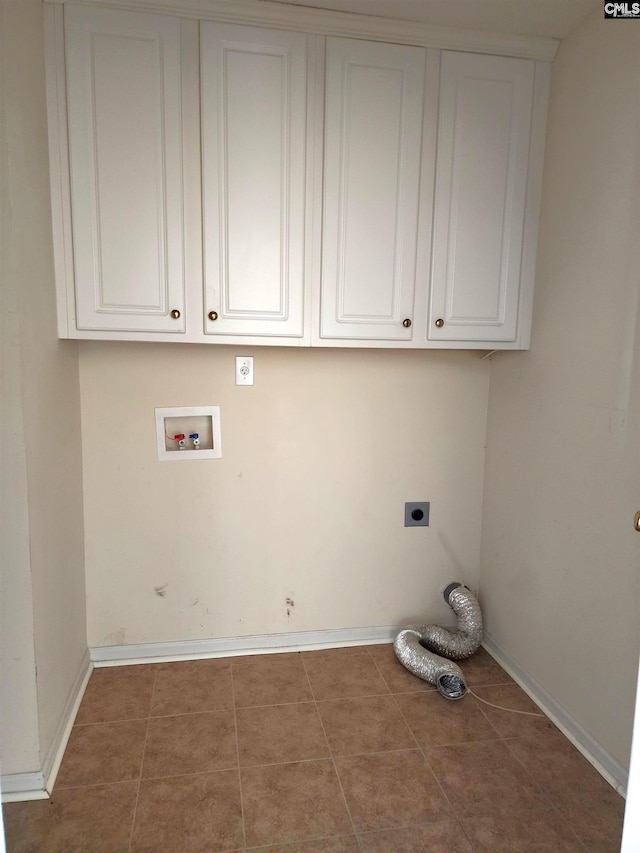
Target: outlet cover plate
(416, 514)
(244, 370)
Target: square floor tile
(553, 761)
(596, 818)
(199, 814)
(364, 724)
(98, 818)
(481, 669)
(589, 804)
(397, 677)
(187, 687)
(442, 837)
(436, 721)
(279, 734)
(270, 680)
(117, 693)
(536, 831)
(103, 752)
(485, 779)
(292, 802)
(391, 789)
(513, 698)
(341, 673)
(190, 743)
(335, 844)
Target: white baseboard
(18, 787)
(53, 758)
(608, 767)
(233, 646)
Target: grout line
(110, 722)
(332, 757)
(61, 788)
(395, 702)
(275, 705)
(295, 845)
(144, 749)
(428, 763)
(543, 790)
(454, 812)
(486, 717)
(235, 723)
(192, 713)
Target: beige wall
(560, 559)
(45, 550)
(18, 700)
(307, 501)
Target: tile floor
(339, 750)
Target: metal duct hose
(445, 674)
(466, 639)
(424, 650)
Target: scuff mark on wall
(161, 591)
(116, 638)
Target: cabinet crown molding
(323, 22)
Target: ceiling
(551, 18)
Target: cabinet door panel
(253, 129)
(123, 95)
(374, 102)
(481, 181)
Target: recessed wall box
(416, 514)
(176, 428)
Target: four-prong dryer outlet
(244, 370)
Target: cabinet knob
(406, 323)
(213, 315)
(636, 521)
(175, 314)
(439, 323)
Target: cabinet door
(253, 136)
(374, 104)
(481, 181)
(124, 121)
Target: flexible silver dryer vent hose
(425, 650)
(466, 639)
(445, 674)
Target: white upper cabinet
(225, 182)
(373, 124)
(124, 124)
(254, 93)
(482, 173)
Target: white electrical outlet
(244, 370)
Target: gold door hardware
(175, 314)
